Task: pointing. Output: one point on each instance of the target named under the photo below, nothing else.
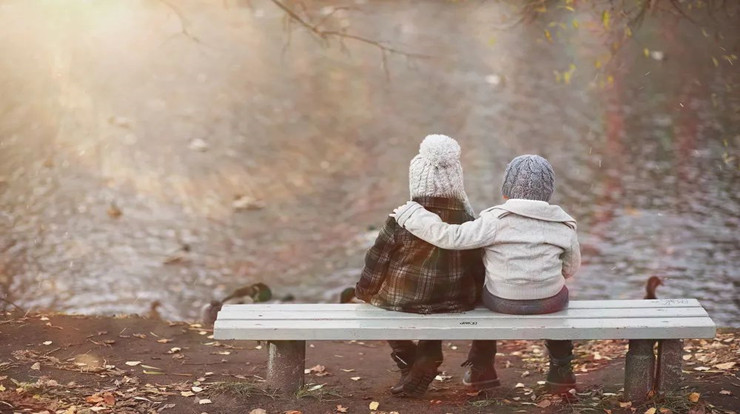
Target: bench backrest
(587, 319)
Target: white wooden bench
(286, 327)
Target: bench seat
(643, 322)
(588, 319)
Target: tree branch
(183, 22)
(323, 34)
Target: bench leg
(285, 365)
(670, 358)
(639, 369)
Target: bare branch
(183, 22)
(326, 35)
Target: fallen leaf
(625, 404)
(109, 399)
(650, 410)
(701, 369)
(187, 393)
(316, 387)
(47, 343)
(133, 363)
(196, 389)
(293, 412)
(725, 392)
(726, 365)
(519, 385)
(36, 366)
(164, 340)
(694, 397)
(355, 378)
(442, 377)
(258, 411)
(348, 370)
(204, 401)
(374, 405)
(94, 399)
(697, 409)
(544, 403)
(317, 370)
(664, 410)
(341, 409)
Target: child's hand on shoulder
(402, 213)
(400, 209)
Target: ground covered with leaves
(52, 363)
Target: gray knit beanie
(436, 171)
(529, 177)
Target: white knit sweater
(531, 247)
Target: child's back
(405, 273)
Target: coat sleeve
(429, 227)
(377, 261)
(572, 258)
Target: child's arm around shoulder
(429, 227)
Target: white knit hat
(436, 171)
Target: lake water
(125, 107)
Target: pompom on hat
(436, 171)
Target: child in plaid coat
(404, 273)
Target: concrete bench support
(285, 365)
(670, 359)
(639, 369)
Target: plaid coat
(404, 273)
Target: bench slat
(240, 312)
(574, 304)
(523, 328)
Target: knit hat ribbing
(529, 177)
(436, 170)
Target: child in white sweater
(530, 248)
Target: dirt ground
(81, 364)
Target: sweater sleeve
(377, 261)
(430, 228)
(572, 258)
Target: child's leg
(481, 374)
(560, 379)
(404, 355)
(428, 359)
